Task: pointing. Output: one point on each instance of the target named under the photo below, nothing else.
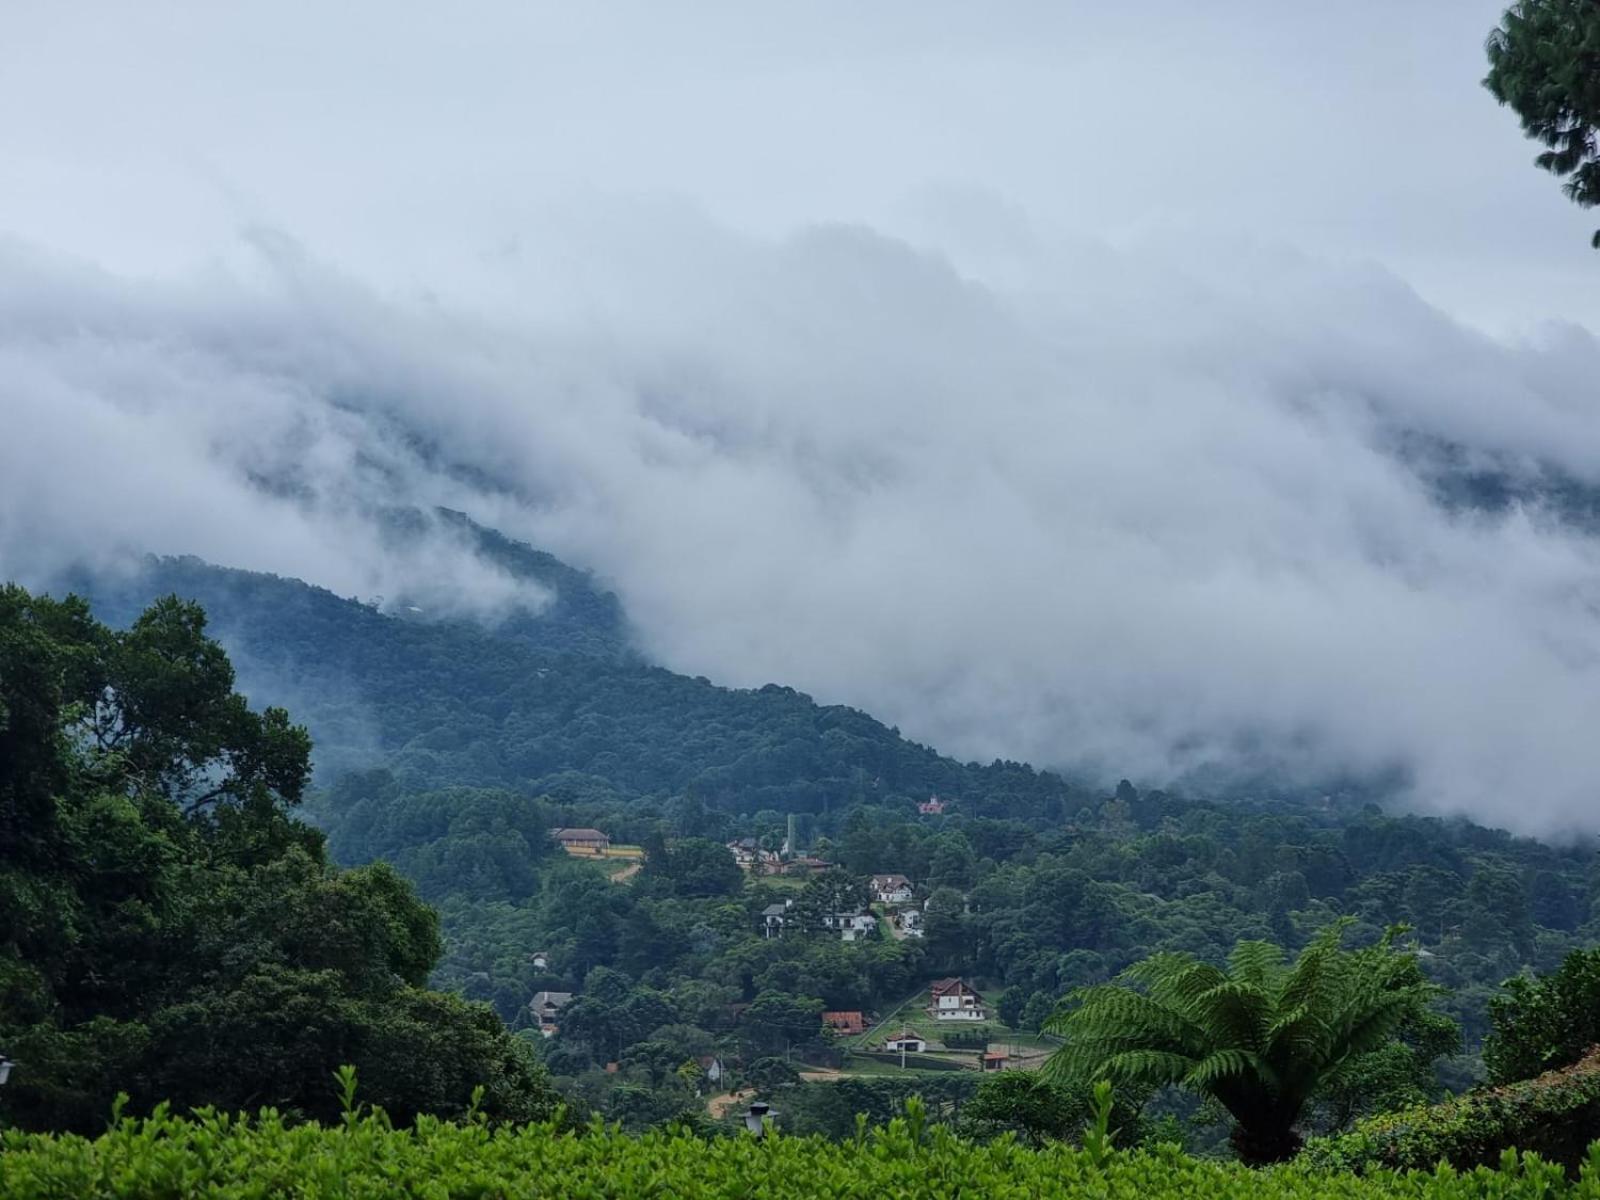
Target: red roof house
(847, 1023)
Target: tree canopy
(168, 929)
(1544, 62)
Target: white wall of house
(961, 1014)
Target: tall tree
(168, 929)
(1261, 1037)
(1544, 61)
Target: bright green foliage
(1546, 1022)
(1556, 1114)
(1544, 61)
(217, 1157)
(167, 929)
(1261, 1038)
(1398, 1074)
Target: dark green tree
(1544, 62)
(169, 930)
(699, 867)
(776, 1021)
(823, 896)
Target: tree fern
(1260, 1037)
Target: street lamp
(757, 1115)
(5, 1069)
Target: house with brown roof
(805, 864)
(954, 999)
(906, 1041)
(546, 1007)
(995, 1060)
(845, 1023)
(890, 889)
(582, 841)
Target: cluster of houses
(950, 1000)
(754, 858)
(894, 891)
(850, 926)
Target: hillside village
(946, 1024)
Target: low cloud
(1135, 508)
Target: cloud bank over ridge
(1135, 507)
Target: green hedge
(1555, 1115)
(216, 1156)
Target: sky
(1033, 375)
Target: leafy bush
(230, 1158)
(1555, 1115)
(1545, 1022)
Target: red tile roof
(845, 1022)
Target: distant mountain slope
(551, 702)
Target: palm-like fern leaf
(1260, 1036)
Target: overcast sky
(1030, 374)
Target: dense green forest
(451, 748)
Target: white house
(772, 918)
(852, 927)
(956, 1000)
(890, 889)
(910, 922)
(907, 1041)
(715, 1072)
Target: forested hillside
(451, 749)
(552, 703)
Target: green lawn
(781, 883)
(857, 1064)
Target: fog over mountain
(1054, 475)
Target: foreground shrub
(217, 1156)
(1555, 1115)
(1545, 1022)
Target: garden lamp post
(757, 1115)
